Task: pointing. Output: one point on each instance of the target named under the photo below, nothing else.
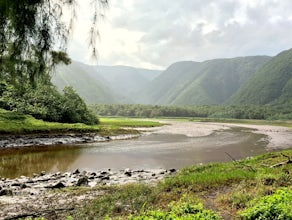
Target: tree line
(206, 111)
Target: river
(176, 145)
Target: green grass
(128, 122)
(227, 189)
(15, 123)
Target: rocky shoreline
(18, 197)
(8, 141)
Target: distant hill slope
(123, 79)
(193, 83)
(168, 85)
(92, 90)
(271, 84)
(103, 84)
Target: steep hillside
(165, 88)
(92, 90)
(219, 79)
(123, 79)
(103, 84)
(272, 84)
(209, 82)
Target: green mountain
(123, 79)
(77, 76)
(161, 90)
(193, 83)
(243, 80)
(103, 84)
(271, 84)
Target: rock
(23, 186)
(105, 178)
(59, 185)
(103, 173)
(172, 170)
(83, 181)
(128, 173)
(43, 173)
(6, 192)
(16, 184)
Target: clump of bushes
(43, 101)
(273, 207)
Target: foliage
(271, 83)
(119, 201)
(30, 31)
(17, 123)
(44, 102)
(274, 207)
(213, 111)
(182, 210)
(74, 109)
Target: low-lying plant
(277, 206)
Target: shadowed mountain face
(242, 80)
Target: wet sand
(278, 137)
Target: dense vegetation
(17, 123)
(33, 38)
(215, 111)
(193, 83)
(43, 101)
(271, 84)
(103, 84)
(248, 189)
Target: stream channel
(173, 147)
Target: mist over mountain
(103, 84)
(255, 80)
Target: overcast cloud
(155, 34)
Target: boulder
(83, 181)
(6, 192)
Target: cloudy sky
(155, 34)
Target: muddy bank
(7, 141)
(277, 137)
(27, 196)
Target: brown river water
(168, 147)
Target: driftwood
(282, 163)
(245, 165)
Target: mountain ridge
(253, 80)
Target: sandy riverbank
(277, 137)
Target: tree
(34, 35)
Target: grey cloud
(174, 30)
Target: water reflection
(26, 161)
(151, 151)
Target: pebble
(38, 183)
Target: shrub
(180, 211)
(274, 207)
